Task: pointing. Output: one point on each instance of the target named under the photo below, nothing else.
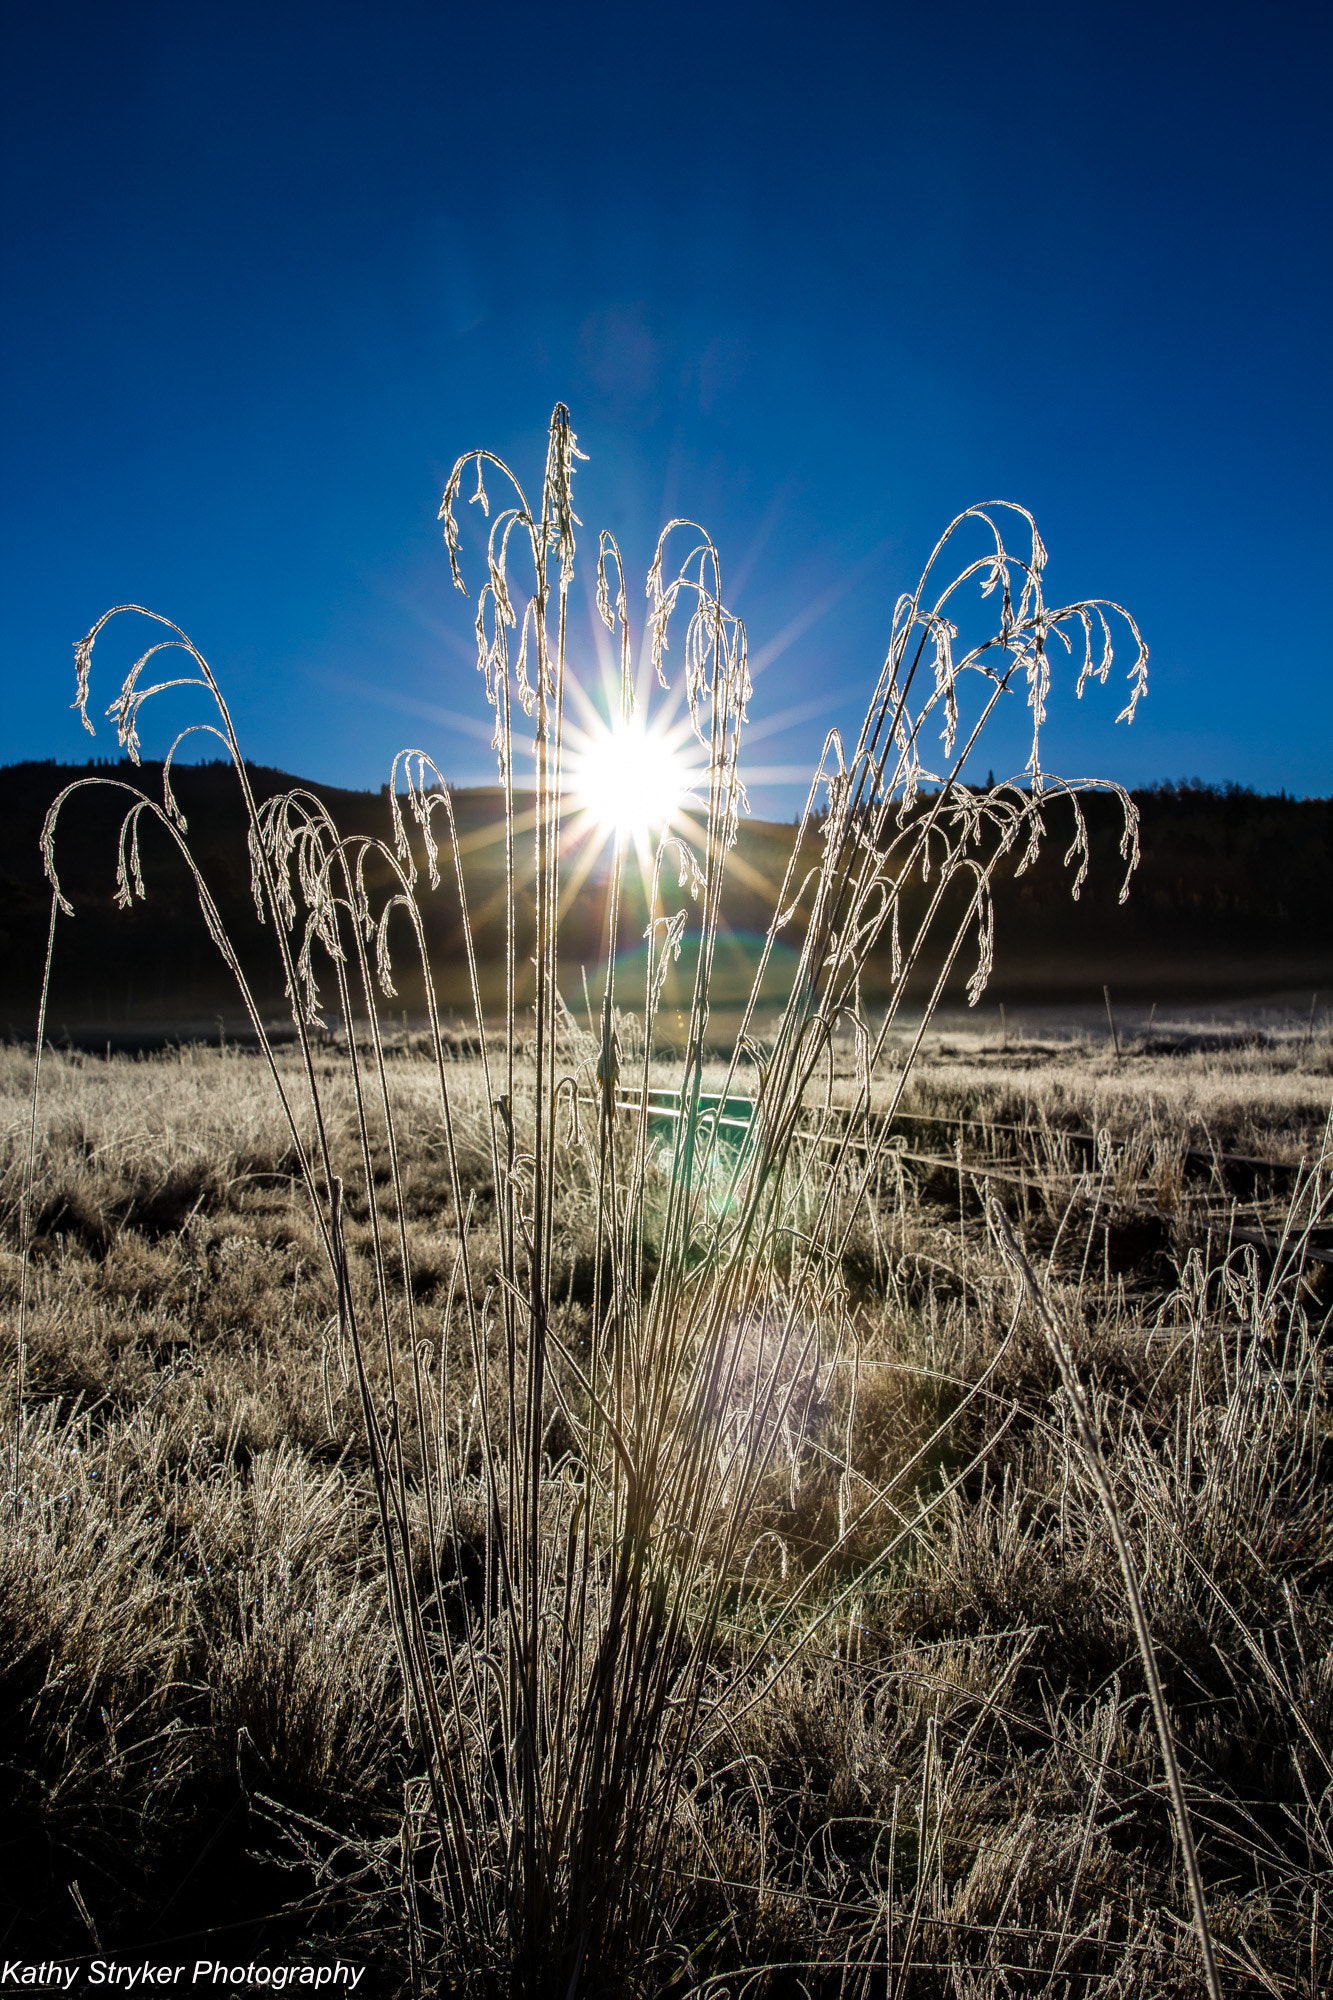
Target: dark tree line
(1234, 896)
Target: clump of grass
(583, 1590)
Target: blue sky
(817, 277)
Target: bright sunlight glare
(629, 780)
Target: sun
(629, 780)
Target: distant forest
(1233, 899)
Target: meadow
(957, 1776)
(636, 1489)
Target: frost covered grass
(615, 1519)
(197, 1575)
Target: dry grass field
(957, 1778)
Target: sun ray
(582, 869)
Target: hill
(1234, 898)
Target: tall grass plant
(582, 1595)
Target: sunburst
(630, 780)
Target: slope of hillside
(1234, 897)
